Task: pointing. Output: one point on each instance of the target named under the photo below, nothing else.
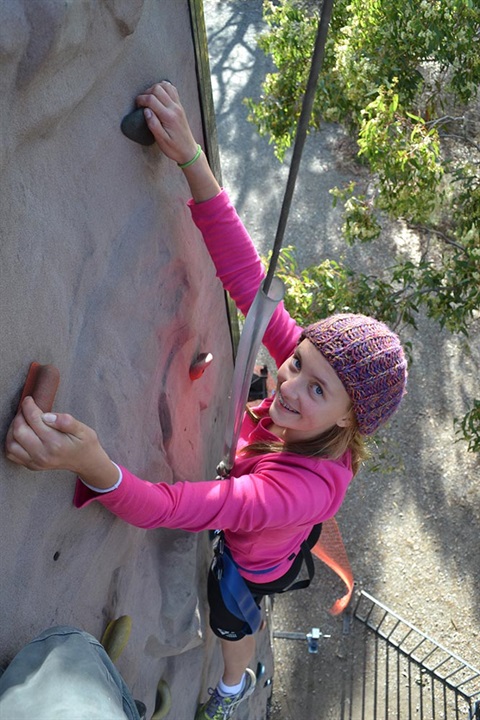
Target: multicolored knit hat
(369, 360)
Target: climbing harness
(236, 595)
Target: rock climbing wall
(103, 274)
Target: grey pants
(64, 674)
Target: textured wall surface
(103, 274)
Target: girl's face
(310, 397)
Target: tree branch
(464, 138)
(439, 233)
(444, 120)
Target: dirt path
(410, 525)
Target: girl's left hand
(54, 441)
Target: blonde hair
(332, 443)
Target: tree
(401, 77)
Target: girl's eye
(296, 363)
(317, 389)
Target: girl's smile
(310, 397)
(284, 404)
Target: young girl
(338, 380)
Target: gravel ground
(410, 525)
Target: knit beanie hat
(368, 359)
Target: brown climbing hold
(42, 384)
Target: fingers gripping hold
(42, 440)
(38, 393)
(163, 91)
(30, 441)
(46, 441)
(134, 125)
(161, 116)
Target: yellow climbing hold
(163, 701)
(116, 636)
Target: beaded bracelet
(194, 159)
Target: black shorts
(228, 626)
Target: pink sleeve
(279, 493)
(233, 503)
(239, 268)
(191, 506)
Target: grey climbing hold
(134, 127)
(142, 709)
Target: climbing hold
(134, 127)
(141, 709)
(199, 365)
(260, 671)
(163, 701)
(116, 636)
(42, 384)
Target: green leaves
(360, 220)
(404, 154)
(320, 290)
(397, 75)
(467, 427)
(289, 42)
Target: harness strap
(305, 549)
(308, 559)
(258, 572)
(235, 593)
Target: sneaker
(221, 707)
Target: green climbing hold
(116, 636)
(134, 127)
(163, 701)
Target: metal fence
(398, 673)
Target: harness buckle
(218, 551)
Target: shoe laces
(222, 705)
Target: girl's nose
(289, 387)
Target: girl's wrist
(100, 473)
(105, 491)
(193, 158)
(201, 180)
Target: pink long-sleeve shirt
(269, 504)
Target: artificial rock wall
(103, 274)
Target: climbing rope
(271, 291)
(329, 548)
(301, 134)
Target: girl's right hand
(54, 441)
(167, 121)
